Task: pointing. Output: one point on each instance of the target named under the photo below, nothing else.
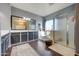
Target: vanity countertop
(4, 32)
(12, 31)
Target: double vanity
(20, 36)
(15, 37)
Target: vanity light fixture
(26, 18)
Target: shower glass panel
(64, 35)
(62, 24)
(61, 32)
(71, 26)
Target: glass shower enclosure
(65, 33)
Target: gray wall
(5, 12)
(0, 38)
(22, 13)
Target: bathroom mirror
(22, 23)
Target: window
(49, 25)
(56, 24)
(52, 24)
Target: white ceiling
(42, 9)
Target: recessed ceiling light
(50, 4)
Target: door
(77, 30)
(24, 36)
(15, 38)
(35, 34)
(30, 34)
